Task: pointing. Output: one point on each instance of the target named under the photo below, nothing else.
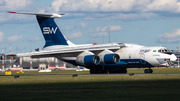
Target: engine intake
(87, 58)
(110, 59)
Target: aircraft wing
(72, 51)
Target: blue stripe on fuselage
(136, 63)
(128, 63)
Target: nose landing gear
(170, 63)
(148, 71)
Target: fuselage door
(142, 59)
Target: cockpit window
(166, 51)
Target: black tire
(151, 70)
(93, 71)
(98, 71)
(118, 71)
(148, 71)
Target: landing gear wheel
(148, 71)
(118, 71)
(98, 71)
(93, 71)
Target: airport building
(26, 63)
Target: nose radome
(173, 58)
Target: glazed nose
(173, 58)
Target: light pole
(5, 50)
(178, 55)
(102, 38)
(20, 48)
(17, 50)
(109, 35)
(10, 56)
(30, 45)
(25, 49)
(2, 59)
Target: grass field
(96, 88)
(141, 70)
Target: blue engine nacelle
(109, 58)
(88, 60)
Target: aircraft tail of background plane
(50, 30)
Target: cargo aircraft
(100, 58)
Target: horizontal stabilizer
(48, 15)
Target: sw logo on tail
(47, 30)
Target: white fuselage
(134, 55)
(137, 54)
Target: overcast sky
(144, 22)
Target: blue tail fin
(51, 32)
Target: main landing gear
(98, 71)
(148, 71)
(118, 71)
(103, 71)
